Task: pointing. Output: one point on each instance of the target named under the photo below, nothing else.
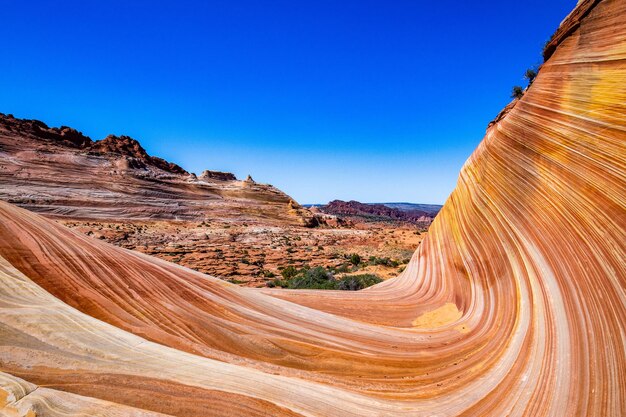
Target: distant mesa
(402, 212)
(432, 209)
(217, 175)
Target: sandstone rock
(130, 148)
(376, 212)
(513, 304)
(217, 175)
(115, 178)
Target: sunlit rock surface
(515, 304)
(61, 173)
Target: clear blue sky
(367, 100)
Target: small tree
(530, 75)
(517, 92)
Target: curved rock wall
(515, 304)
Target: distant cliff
(377, 212)
(62, 172)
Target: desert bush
(289, 272)
(383, 261)
(315, 278)
(517, 92)
(355, 259)
(530, 75)
(277, 283)
(357, 282)
(321, 278)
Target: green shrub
(357, 282)
(530, 75)
(383, 261)
(517, 92)
(355, 259)
(321, 278)
(316, 278)
(277, 283)
(289, 272)
(267, 273)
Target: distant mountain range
(428, 208)
(422, 214)
(403, 206)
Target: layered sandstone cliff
(61, 172)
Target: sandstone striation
(514, 304)
(60, 172)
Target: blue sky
(367, 100)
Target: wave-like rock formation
(515, 304)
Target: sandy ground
(251, 254)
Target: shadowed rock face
(129, 147)
(34, 129)
(61, 172)
(514, 304)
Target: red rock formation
(129, 147)
(378, 212)
(61, 172)
(217, 175)
(35, 129)
(515, 303)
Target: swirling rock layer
(515, 304)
